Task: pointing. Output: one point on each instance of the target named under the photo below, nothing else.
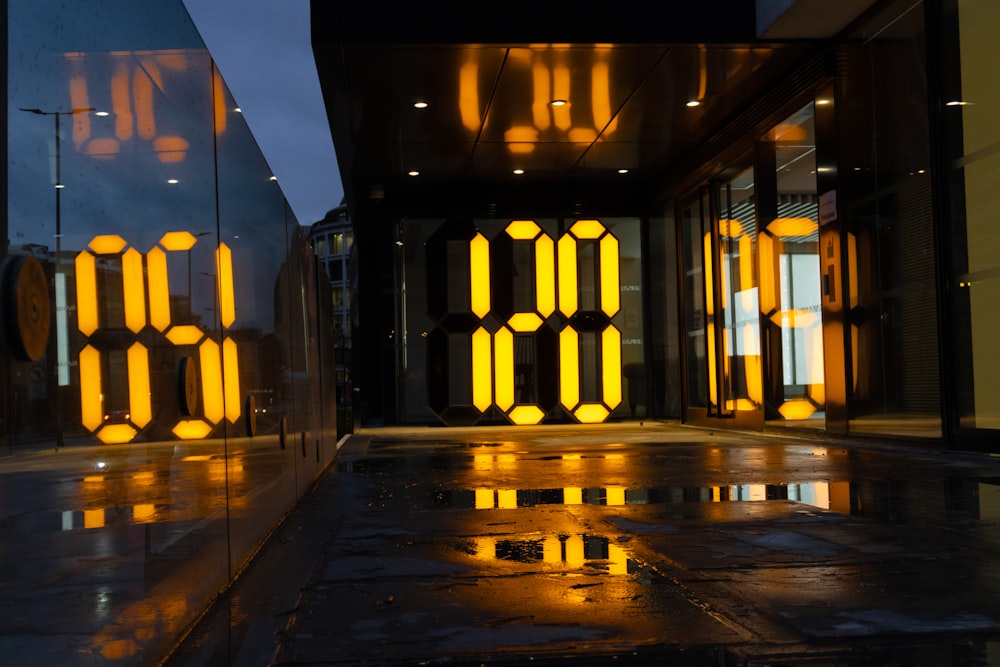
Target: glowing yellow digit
(525, 323)
(569, 337)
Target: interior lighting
(102, 114)
(519, 171)
(559, 103)
(238, 110)
(173, 181)
(59, 186)
(413, 172)
(957, 103)
(420, 105)
(823, 101)
(623, 171)
(693, 103)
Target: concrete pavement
(623, 544)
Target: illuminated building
(754, 215)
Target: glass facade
(168, 389)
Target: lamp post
(58, 280)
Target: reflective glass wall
(168, 383)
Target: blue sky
(263, 49)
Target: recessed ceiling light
(957, 103)
(694, 103)
(420, 105)
(413, 172)
(172, 181)
(822, 101)
(273, 178)
(59, 186)
(519, 171)
(623, 171)
(101, 113)
(559, 103)
(238, 110)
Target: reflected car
(117, 417)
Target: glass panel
(697, 341)
(742, 381)
(790, 278)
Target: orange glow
(134, 293)
(587, 229)
(731, 228)
(80, 99)
(520, 140)
(600, 97)
(713, 378)
(561, 117)
(219, 100)
(581, 135)
(591, 413)
(107, 244)
(211, 381)
(170, 150)
(789, 227)
(545, 275)
(178, 240)
(191, 429)
(139, 401)
(709, 284)
(567, 275)
(91, 414)
(482, 373)
(526, 414)
(86, 293)
(768, 293)
(159, 289)
(611, 375)
(575, 552)
(524, 322)
(93, 518)
(142, 95)
(852, 269)
(610, 279)
(103, 148)
(484, 499)
(615, 495)
(503, 341)
(542, 94)
(617, 559)
(479, 270)
(185, 334)
(507, 499)
(116, 434)
(468, 95)
(523, 230)
(789, 132)
(797, 408)
(120, 102)
(569, 368)
(224, 276)
(231, 381)
(143, 513)
(573, 495)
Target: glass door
(724, 378)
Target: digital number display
(524, 362)
(145, 284)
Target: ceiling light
(420, 105)
(172, 181)
(102, 113)
(238, 110)
(623, 171)
(519, 171)
(694, 103)
(822, 101)
(273, 178)
(559, 103)
(59, 186)
(413, 172)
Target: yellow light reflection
(231, 381)
(143, 513)
(713, 377)
(542, 92)
(468, 95)
(615, 495)
(521, 140)
(730, 228)
(91, 414)
(526, 415)
(591, 413)
(219, 99)
(754, 377)
(709, 284)
(611, 372)
(93, 518)
(551, 550)
(484, 499)
(227, 294)
(479, 270)
(575, 552)
(482, 372)
(178, 240)
(191, 429)
(139, 401)
(211, 381)
(587, 229)
(507, 499)
(159, 289)
(567, 275)
(617, 560)
(600, 97)
(573, 495)
(86, 293)
(852, 269)
(121, 102)
(142, 97)
(482, 462)
(134, 293)
(545, 275)
(569, 368)
(107, 244)
(610, 279)
(170, 150)
(561, 117)
(185, 334)
(113, 434)
(80, 99)
(768, 294)
(786, 227)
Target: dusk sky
(263, 49)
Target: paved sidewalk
(623, 544)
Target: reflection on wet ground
(641, 545)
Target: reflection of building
(332, 240)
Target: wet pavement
(623, 544)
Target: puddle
(572, 551)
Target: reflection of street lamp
(59, 286)
(59, 183)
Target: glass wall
(520, 321)
(168, 384)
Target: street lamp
(62, 369)
(59, 183)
